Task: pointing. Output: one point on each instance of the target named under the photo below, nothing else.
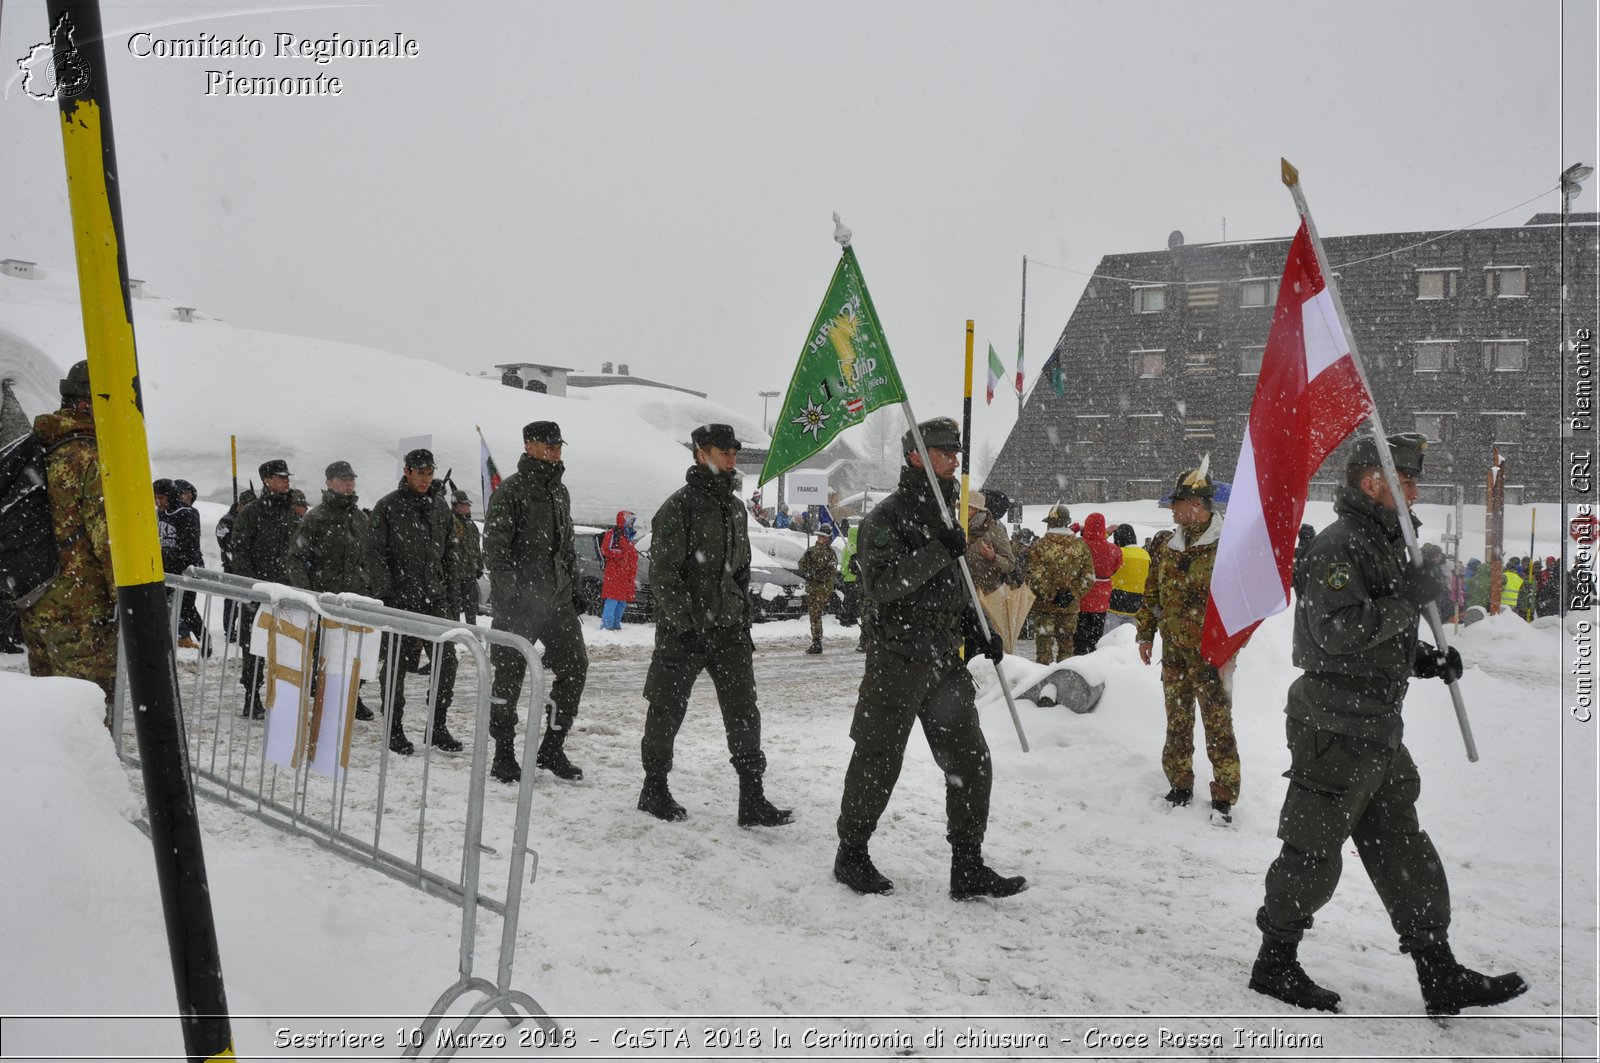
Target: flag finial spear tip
(1291, 176)
(840, 232)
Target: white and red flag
(1309, 398)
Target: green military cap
(941, 433)
(75, 385)
(1404, 447)
(1058, 517)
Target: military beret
(340, 470)
(715, 435)
(275, 467)
(941, 433)
(546, 432)
(421, 458)
(1404, 447)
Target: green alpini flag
(845, 373)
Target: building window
(1250, 360)
(1200, 362)
(1436, 283)
(1504, 428)
(1148, 364)
(1090, 491)
(1513, 494)
(1199, 430)
(1092, 427)
(1203, 296)
(1145, 488)
(1506, 282)
(1435, 356)
(1258, 291)
(1146, 427)
(1150, 300)
(1436, 426)
(1321, 491)
(1437, 494)
(1505, 356)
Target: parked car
(776, 592)
(587, 541)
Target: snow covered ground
(1138, 918)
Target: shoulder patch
(880, 537)
(1339, 575)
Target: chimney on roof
(605, 368)
(185, 313)
(622, 368)
(136, 287)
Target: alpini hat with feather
(1195, 483)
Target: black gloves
(992, 647)
(953, 540)
(1422, 586)
(1062, 599)
(1432, 664)
(580, 602)
(996, 651)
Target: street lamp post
(1572, 179)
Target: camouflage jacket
(1176, 591)
(334, 550)
(1059, 562)
(988, 575)
(85, 591)
(818, 566)
(261, 536)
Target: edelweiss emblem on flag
(812, 419)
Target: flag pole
(966, 573)
(1291, 178)
(966, 432)
(1022, 332)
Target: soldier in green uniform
(1060, 571)
(533, 592)
(334, 550)
(817, 567)
(700, 576)
(71, 629)
(260, 542)
(1357, 602)
(469, 556)
(1176, 592)
(413, 530)
(922, 616)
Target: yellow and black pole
(233, 458)
(966, 431)
(92, 189)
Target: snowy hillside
(313, 401)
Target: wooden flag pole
(1291, 178)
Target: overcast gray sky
(652, 183)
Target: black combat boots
(853, 867)
(657, 800)
(398, 742)
(553, 758)
(970, 877)
(441, 738)
(1278, 974)
(815, 647)
(754, 808)
(1447, 987)
(505, 766)
(1178, 797)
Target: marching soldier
(817, 567)
(1060, 571)
(922, 615)
(1176, 592)
(1357, 602)
(533, 592)
(700, 574)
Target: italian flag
(1309, 398)
(996, 371)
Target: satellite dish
(1175, 240)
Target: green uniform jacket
(416, 539)
(1058, 562)
(817, 566)
(1354, 634)
(1177, 588)
(915, 586)
(527, 538)
(84, 590)
(469, 549)
(700, 555)
(261, 536)
(335, 551)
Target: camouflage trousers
(1189, 680)
(1053, 630)
(816, 606)
(64, 645)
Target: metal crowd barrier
(347, 812)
